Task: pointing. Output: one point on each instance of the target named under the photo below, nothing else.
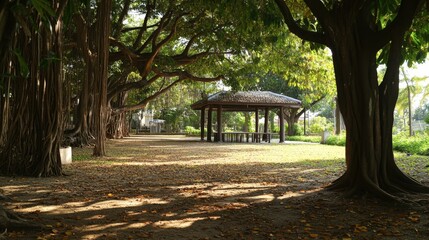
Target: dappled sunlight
(221, 190)
(289, 195)
(182, 223)
(101, 228)
(260, 198)
(160, 189)
(10, 187)
(111, 204)
(121, 158)
(312, 170)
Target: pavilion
(250, 101)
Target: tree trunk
(409, 111)
(101, 75)
(337, 118)
(291, 118)
(81, 134)
(11, 221)
(117, 125)
(367, 110)
(272, 122)
(36, 123)
(246, 122)
(351, 29)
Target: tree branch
(182, 60)
(190, 42)
(400, 24)
(144, 28)
(182, 76)
(142, 104)
(124, 49)
(296, 29)
(132, 85)
(298, 114)
(117, 28)
(186, 75)
(157, 47)
(129, 29)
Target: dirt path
(175, 188)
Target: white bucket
(66, 155)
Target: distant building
(156, 125)
(142, 119)
(419, 125)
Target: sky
(421, 70)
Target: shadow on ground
(178, 188)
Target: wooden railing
(256, 137)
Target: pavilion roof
(248, 99)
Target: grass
(312, 139)
(337, 140)
(305, 156)
(242, 152)
(418, 144)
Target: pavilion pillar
(265, 137)
(209, 124)
(257, 120)
(282, 126)
(219, 124)
(202, 120)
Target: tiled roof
(248, 98)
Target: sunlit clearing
(102, 227)
(75, 207)
(261, 198)
(223, 190)
(182, 223)
(123, 158)
(289, 195)
(311, 170)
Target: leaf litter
(183, 189)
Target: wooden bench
(256, 137)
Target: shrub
(297, 129)
(319, 124)
(338, 140)
(313, 139)
(418, 144)
(189, 130)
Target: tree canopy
(92, 55)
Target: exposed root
(9, 220)
(391, 192)
(3, 235)
(3, 197)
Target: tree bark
(101, 75)
(410, 126)
(368, 110)
(291, 117)
(337, 118)
(36, 124)
(366, 105)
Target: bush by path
(418, 144)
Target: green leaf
(52, 57)
(23, 66)
(43, 7)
